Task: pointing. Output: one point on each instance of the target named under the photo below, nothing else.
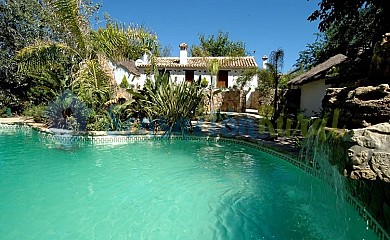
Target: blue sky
(262, 25)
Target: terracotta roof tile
(203, 62)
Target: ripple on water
(162, 190)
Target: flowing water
(162, 190)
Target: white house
(313, 85)
(184, 68)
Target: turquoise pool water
(163, 190)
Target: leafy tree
(124, 83)
(243, 84)
(164, 51)
(21, 23)
(332, 11)
(85, 51)
(264, 80)
(120, 41)
(217, 46)
(350, 27)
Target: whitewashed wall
(179, 76)
(119, 72)
(311, 97)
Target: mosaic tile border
(110, 139)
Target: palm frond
(42, 54)
(111, 42)
(118, 42)
(92, 84)
(67, 12)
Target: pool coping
(259, 144)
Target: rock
(377, 136)
(369, 154)
(361, 106)
(358, 155)
(362, 172)
(380, 162)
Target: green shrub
(171, 102)
(124, 83)
(266, 111)
(67, 112)
(36, 112)
(204, 83)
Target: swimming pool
(163, 190)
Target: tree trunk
(275, 115)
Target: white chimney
(183, 53)
(145, 58)
(265, 61)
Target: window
(222, 79)
(189, 75)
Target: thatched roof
(319, 71)
(130, 66)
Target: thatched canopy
(319, 71)
(129, 65)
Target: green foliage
(204, 83)
(38, 113)
(100, 121)
(332, 11)
(68, 14)
(266, 111)
(67, 112)
(218, 46)
(124, 83)
(173, 103)
(264, 78)
(21, 23)
(121, 41)
(92, 84)
(350, 27)
(79, 60)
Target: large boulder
(369, 155)
(359, 107)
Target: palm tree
(213, 68)
(275, 66)
(88, 51)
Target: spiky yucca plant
(172, 103)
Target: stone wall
(231, 101)
(369, 161)
(253, 100)
(362, 156)
(361, 106)
(228, 101)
